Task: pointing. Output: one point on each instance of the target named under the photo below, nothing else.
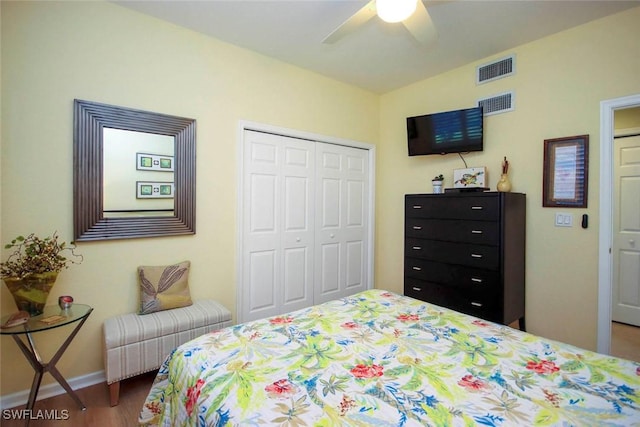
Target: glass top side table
(76, 313)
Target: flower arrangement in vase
(32, 269)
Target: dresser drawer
(480, 304)
(457, 276)
(480, 232)
(482, 308)
(448, 207)
(425, 291)
(471, 255)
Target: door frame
(605, 257)
(244, 125)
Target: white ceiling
(378, 56)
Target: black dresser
(466, 251)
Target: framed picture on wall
(565, 172)
(154, 162)
(154, 190)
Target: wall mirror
(134, 173)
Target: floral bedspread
(382, 359)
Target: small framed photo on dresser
(469, 177)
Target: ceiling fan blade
(421, 26)
(351, 24)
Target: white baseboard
(52, 389)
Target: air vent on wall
(495, 70)
(497, 104)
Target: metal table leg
(32, 355)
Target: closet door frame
(260, 127)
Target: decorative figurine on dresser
(466, 251)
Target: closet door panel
(355, 199)
(354, 232)
(356, 183)
(343, 176)
(355, 265)
(278, 219)
(262, 280)
(260, 258)
(329, 280)
(263, 203)
(297, 238)
(297, 217)
(330, 203)
(296, 212)
(296, 269)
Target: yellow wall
(53, 52)
(559, 83)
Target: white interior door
(626, 226)
(341, 248)
(278, 225)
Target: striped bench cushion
(135, 344)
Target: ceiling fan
(412, 13)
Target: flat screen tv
(458, 131)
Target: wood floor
(99, 413)
(625, 342)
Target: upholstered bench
(135, 344)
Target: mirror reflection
(134, 173)
(138, 174)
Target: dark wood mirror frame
(89, 222)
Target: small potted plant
(437, 184)
(32, 269)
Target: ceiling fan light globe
(395, 10)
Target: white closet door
(341, 248)
(278, 225)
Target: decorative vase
(30, 293)
(437, 187)
(504, 184)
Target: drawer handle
(476, 304)
(416, 248)
(417, 206)
(476, 231)
(477, 208)
(416, 289)
(475, 279)
(476, 256)
(417, 268)
(417, 227)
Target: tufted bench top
(131, 328)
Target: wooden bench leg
(114, 393)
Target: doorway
(605, 270)
(626, 223)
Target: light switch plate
(564, 219)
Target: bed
(378, 358)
